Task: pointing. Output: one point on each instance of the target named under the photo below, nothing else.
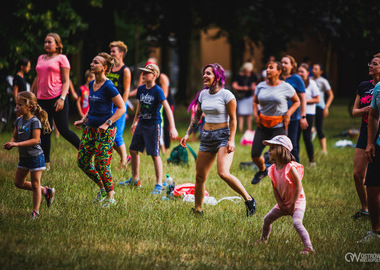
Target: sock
(364, 212)
(45, 191)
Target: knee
(35, 185)
(223, 174)
(200, 179)
(297, 224)
(18, 184)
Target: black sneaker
(361, 215)
(50, 192)
(251, 207)
(258, 176)
(196, 212)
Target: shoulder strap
(192, 151)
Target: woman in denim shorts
(218, 136)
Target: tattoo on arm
(194, 122)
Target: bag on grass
(179, 155)
(186, 189)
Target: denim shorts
(212, 140)
(32, 163)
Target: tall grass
(145, 232)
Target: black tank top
(117, 78)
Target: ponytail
(110, 61)
(42, 115)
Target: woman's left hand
(59, 104)
(230, 146)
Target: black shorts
(372, 178)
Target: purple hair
(220, 79)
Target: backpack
(179, 155)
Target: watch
(63, 98)
(303, 116)
(109, 122)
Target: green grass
(144, 232)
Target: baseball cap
(280, 140)
(152, 68)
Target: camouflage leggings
(99, 145)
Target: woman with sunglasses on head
(361, 109)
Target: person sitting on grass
(146, 126)
(286, 176)
(26, 136)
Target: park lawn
(145, 232)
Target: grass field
(145, 232)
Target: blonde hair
(376, 55)
(110, 61)
(121, 45)
(58, 41)
(30, 100)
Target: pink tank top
(49, 81)
(283, 181)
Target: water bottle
(169, 186)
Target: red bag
(186, 188)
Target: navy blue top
(101, 104)
(150, 104)
(298, 84)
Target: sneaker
(250, 207)
(129, 158)
(102, 194)
(259, 176)
(361, 215)
(307, 251)
(157, 190)
(49, 196)
(131, 182)
(196, 212)
(312, 164)
(35, 215)
(370, 237)
(109, 202)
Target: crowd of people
(283, 105)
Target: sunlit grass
(144, 232)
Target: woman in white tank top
(218, 136)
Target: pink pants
(297, 217)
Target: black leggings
(262, 134)
(306, 133)
(61, 120)
(319, 122)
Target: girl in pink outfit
(286, 176)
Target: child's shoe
(35, 215)
(307, 251)
(109, 202)
(250, 207)
(49, 196)
(157, 190)
(102, 194)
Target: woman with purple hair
(218, 136)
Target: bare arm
(33, 141)
(169, 113)
(330, 98)
(136, 118)
(357, 111)
(373, 126)
(126, 84)
(256, 115)
(65, 77)
(231, 110)
(303, 121)
(120, 105)
(297, 192)
(313, 100)
(193, 124)
(291, 110)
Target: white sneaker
(109, 202)
(100, 197)
(371, 236)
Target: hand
(366, 109)
(184, 140)
(230, 147)
(79, 123)
(133, 127)
(103, 128)
(257, 121)
(303, 123)
(59, 104)
(325, 112)
(370, 151)
(173, 133)
(291, 209)
(9, 145)
(286, 120)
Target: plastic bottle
(169, 186)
